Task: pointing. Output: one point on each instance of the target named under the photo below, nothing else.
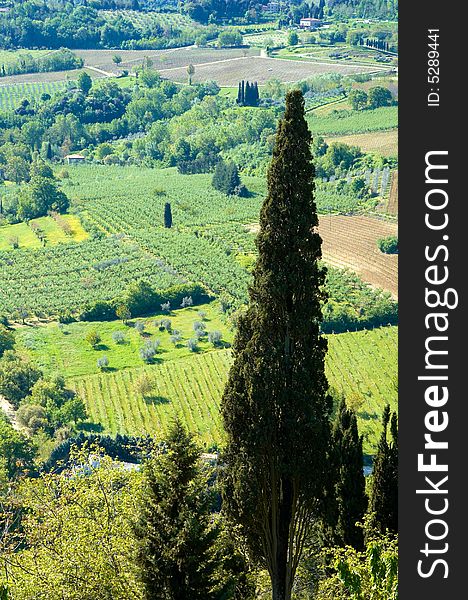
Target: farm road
(9, 411)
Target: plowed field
(352, 242)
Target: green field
(65, 350)
(127, 205)
(361, 364)
(24, 235)
(11, 56)
(12, 94)
(340, 122)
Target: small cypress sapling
(167, 215)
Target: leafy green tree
(59, 405)
(358, 99)
(39, 168)
(85, 83)
(17, 169)
(371, 574)
(384, 490)
(379, 96)
(176, 530)
(76, 538)
(226, 178)
(276, 405)
(93, 338)
(229, 38)
(41, 196)
(17, 377)
(293, 38)
(123, 312)
(16, 452)
(190, 73)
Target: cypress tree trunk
(276, 405)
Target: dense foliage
(388, 245)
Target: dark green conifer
(180, 552)
(384, 493)
(276, 405)
(167, 215)
(347, 500)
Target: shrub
(166, 307)
(199, 326)
(186, 302)
(7, 339)
(176, 337)
(166, 324)
(100, 311)
(388, 245)
(118, 337)
(144, 386)
(93, 338)
(32, 417)
(192, 345)
(149, 350)
(65, 318)
(140, 327)
(215, 337)
(102, 363)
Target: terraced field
(360, 364)
(351, 242)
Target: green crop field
(361, 365)
(341, 122)
(12, 94)
(68, 276)
(127, 205)
(149, 20)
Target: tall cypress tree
(248, 94)
(167, 215)
(348, 498)
(243, 92)
(276, 405)
(239, 94)
(384, 492)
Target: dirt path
(10, 413)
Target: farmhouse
(309, 23)
(75, 159)
(271, 7)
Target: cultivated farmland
(261, 70)
(384, 143)
(12, 94)
(360, 364)
(339, 122)
(162, 59)
(351, 242)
